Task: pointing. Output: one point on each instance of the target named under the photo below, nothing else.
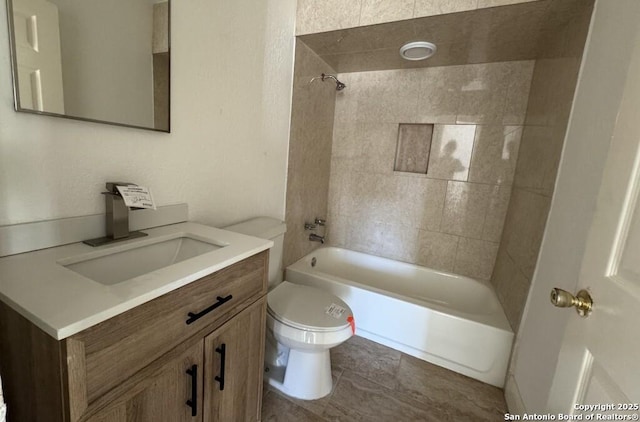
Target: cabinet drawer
(103, 356)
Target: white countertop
(62, 302)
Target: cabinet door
(163, 396)
(234, 357)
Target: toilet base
(307, 375)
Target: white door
(591, 240)
(599, 361)
(38, 57)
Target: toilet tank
(266, 228)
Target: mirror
(93, 60)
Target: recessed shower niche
(414, 148)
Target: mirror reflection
(105, 61)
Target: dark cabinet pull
(193, 403)
(223, 357)
(193, 317)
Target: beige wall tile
(538, 155)
(420, 202)
(439, 7)
(511, 287)
(381, 198)
(369, 147)
(341, 185)
(524, 228)
(552, 88)
(503, 272)
(431, 194)
(495, 154)
(564, 32)
(496, 213)
(400, 243)
(451, 151)
(465, 209)
(517, 96)
(326, 15)
(517, 300)
(378, 11)
(378, 142)
(475, 258)
(439, 94)
(437, 250)
(483, 93)
(346, 139)
(368, 238)
(337, 229)
(346, 106)
(385, 96)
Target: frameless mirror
(94, 60)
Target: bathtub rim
(497, 319)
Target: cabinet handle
(223, 357)
(193, 317)
(193, 403)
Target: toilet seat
(306, 308)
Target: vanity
(180, 339)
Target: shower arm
(339, 85)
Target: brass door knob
(582, 301)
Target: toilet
(303, 323)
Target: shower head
(339, 85)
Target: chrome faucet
(315, 238)
(117, 211)
(117, 222)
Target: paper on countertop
(136, 196)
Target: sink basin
(122, 265)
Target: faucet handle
(320, 221)
(309, 226)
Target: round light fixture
(417, 50)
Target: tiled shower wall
(450, 218)
(309, 151)
(554, 81)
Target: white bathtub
(446, 319)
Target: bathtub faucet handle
(320, 221)
(309, 226)
(315, 238)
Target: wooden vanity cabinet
(202, 344)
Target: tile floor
(375, 383)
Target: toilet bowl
(303, 323)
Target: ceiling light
(417, 50)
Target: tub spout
(315, 238)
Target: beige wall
(232, 65)
(554, 81)
(451, 218)
(309, 152)
(329, 15)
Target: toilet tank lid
(262, 227)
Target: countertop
(62, 302)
